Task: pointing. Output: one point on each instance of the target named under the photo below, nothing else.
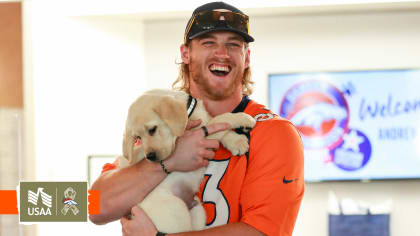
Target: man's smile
(219, 69)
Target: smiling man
(258, 193)
(254, 194)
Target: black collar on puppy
(192, 102)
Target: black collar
(241, 107)
(192, 102)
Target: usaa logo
(319, 111)
(46, 203)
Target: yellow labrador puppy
(158, 117)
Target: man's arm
(140, 224)
(232, 229)
(121, 189)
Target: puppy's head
(156, 120)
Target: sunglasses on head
(208, 20)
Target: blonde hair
(183, 81)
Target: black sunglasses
(207, 20)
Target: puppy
(158, 117)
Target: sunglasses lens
(215, 19)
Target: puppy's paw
(237, 144)
(244, 121)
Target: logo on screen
(319, 111)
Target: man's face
(216, 62)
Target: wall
(316, 42)
(86, 73)
(81, 75)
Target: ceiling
(164, 9)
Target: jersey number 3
(214, 200)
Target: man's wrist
(168, 163)
(164, 168)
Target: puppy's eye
(152, 130)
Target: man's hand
(139, 224)
(193, 150)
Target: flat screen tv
(355, 125)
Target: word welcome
(390, 108)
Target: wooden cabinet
(11, 55)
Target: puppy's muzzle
(151, 156)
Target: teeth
(219, 68)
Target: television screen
(358, 125)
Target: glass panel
(10, 158)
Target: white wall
(87, 71)
(84, 73)
(317, 42)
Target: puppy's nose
(151, 156)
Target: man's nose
(222, 51)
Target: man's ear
(247, 58)
(185, 54)
(174, 113)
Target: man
(254, 194)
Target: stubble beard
(211, 93)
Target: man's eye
(208, 42)
(152, 130)
(233, 45)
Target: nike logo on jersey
(287, 181)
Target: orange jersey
(262, 188)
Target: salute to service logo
(53, 201)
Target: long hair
(183, 81)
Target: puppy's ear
(131, 153)
(174, 113)
(128, 143)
